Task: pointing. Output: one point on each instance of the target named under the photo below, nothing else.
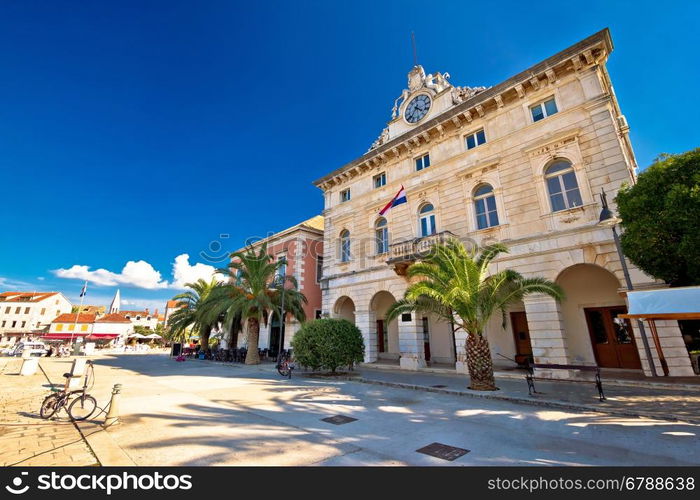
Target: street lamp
(609, 219)
(281, 277)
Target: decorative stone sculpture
(461, 94)
(382, 139)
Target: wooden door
(380, 336)
(521, 334)
(612, 339)
(426, 339)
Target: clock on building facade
(417, 108)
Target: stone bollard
(113, 413)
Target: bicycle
(80, 408)
(286, 364)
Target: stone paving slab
(669, 404)
(25, 438)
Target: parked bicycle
(286, 364)
(78, 403)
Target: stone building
(301, 246)
(522, 163)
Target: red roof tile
(70, 318)
(113, 318)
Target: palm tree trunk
(204, 339)
(480, 364)
(252, 357)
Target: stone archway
(386, 333)
(345, 308)
(594, 333)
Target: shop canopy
(667, 303)
(100, 336)
(153, 336)
(663, 304)
(62, 336)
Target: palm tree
(455, 285)
(255, 288)
(190, 311)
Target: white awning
(684, 300)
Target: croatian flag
(84, 290)
(397, 200)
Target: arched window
(381, 235)
(345, 246)
(426, 216)
(485, 206)
(562, 186)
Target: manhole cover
(443, 451)
(439, 386)
(338, 419)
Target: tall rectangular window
(282, 269)
(59, 327)
(476, 139)
(7, 310)
(379, 180)
(423, 162)
(26, 310)
(18, 310)
(43, 311)
(345, 195)
(543, 109)
(319, 268)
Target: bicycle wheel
(283, 368)
(50, 406)
(82, 407)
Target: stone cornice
(575, 57)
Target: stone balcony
(404, 253)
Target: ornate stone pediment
(434, 85)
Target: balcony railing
(403, 253)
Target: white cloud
(184, 272)
(141, 274)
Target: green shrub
(328, 344)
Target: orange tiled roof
(70, 318)
(135, 313)
(25, 296)
(113, 318)
(171, 304)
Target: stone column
(364, 320)
(411, 343)
(547, 334)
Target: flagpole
(83, 291)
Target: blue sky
(142, 131)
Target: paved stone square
(205, 413)
(25, 438)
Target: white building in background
(113, 327)
(70, 325)
(22, 313)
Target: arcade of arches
(583, 329)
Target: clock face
(417, 108)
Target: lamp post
(608, 219)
